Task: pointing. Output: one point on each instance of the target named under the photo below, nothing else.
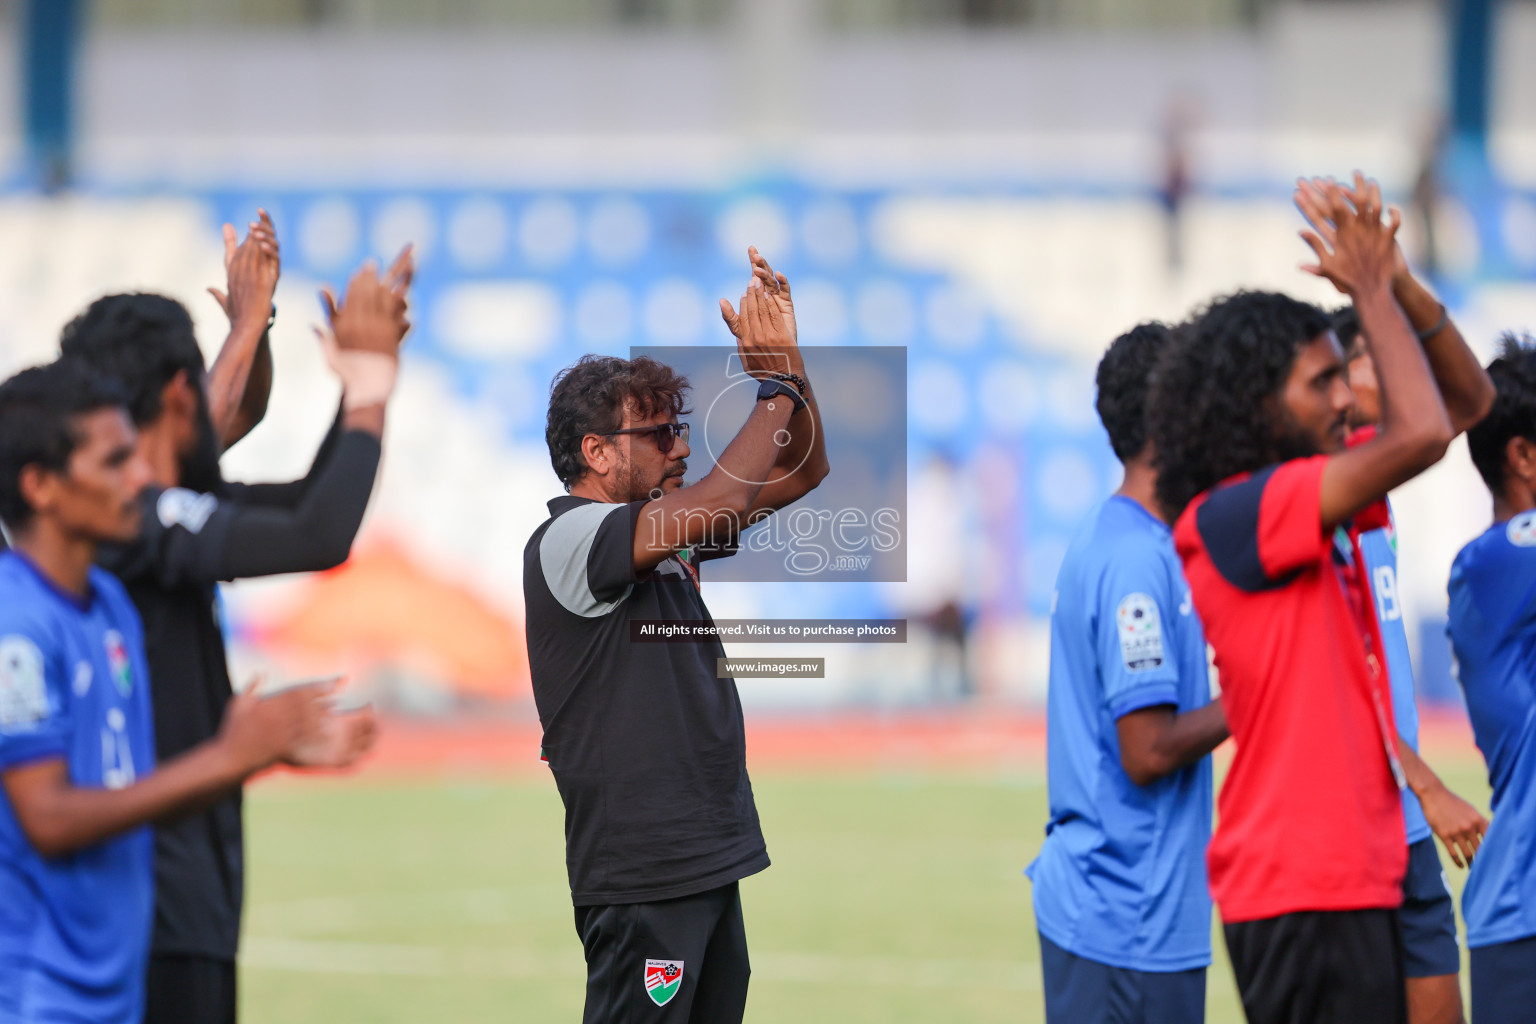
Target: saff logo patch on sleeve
(662, 980)
(1141, 633)
(1521, 530)
(23, 692)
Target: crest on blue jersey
(117, 660)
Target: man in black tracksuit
(199, 530)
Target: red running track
(968, 740)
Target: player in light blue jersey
(78, 782)
(1493, 636)
(1427, 916)
(1120, 892)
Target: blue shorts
(1083, 991)
(1428, 916)
(1504, 982)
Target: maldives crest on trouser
(662, 980)
(117, 660)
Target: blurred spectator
(1178, 122)
(938, 573)
(1424, 201)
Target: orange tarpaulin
(381, 608)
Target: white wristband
(367, 378)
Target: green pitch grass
(890, 900)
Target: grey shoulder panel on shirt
(563, 555)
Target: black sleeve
(1263, 531)
(611, 558)
(188, 537)
(722, 549)
(288, 495)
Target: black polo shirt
(646, 744)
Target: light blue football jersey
(74, 684)
(1493, 636)
(1379, 549)
(1121, 877)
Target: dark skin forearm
(1414, 429)
(1464, 384)
(801, 464)
(230, 377)
(253, 403)
(1357, 251)
(1158, 741)
(251, 269)
(60, 818)
(1457, 823)
(712, 511)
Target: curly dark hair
(1514, 409)
(590, 396)
(38, 412)
(1124, 378)
(1211, 413)
(140, 340)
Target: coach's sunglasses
(666, 434)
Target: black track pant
(1320, 967)
(681, 961)
(189, 990)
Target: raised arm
(362, 346)
(203, 537)
(1464, 385)
(240, 380)
(288, 493)
(713, 512)
(1355, 251)
(60, 818)
(802, 462)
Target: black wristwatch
(774, 388)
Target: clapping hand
(341, 738)
(1356, 250)
(764, 326)
(251, 271)
(367, 326)
(259, 731)
(372, 317)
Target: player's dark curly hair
(1212, 410)
(590, 396)
(38, 412)
(1514, 409)
(140, 340)
(1123, 378)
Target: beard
(200, 464)
(640, 486)
(1293, 441)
